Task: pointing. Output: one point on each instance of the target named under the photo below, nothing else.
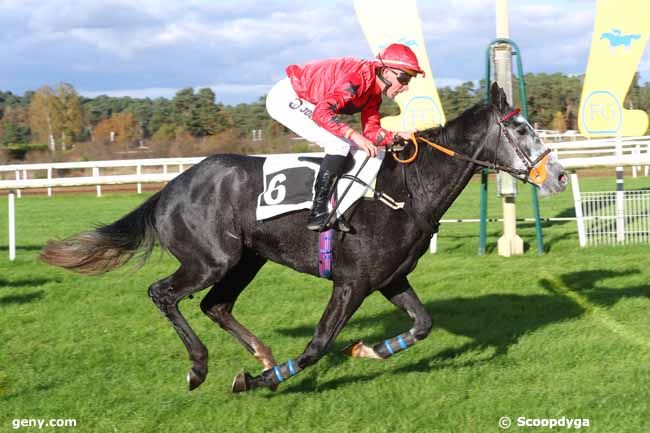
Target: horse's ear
(498, 96)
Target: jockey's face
(398, 79)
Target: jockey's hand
(406, 135)
(363, 143)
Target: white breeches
(286, 107)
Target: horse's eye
(522, 130)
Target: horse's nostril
(563, 179)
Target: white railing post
(18, 194)
(49, 177)
(577, 203)
(12, 226)
(433, 246)
(620, 198)
(138, 172)
(98, 187)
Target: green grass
(564, 334)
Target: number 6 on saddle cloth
(289, 183)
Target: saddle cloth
(289, 183)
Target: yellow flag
(397, 21)
(620, 35)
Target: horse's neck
(445, 177)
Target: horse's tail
(109, 246)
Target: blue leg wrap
(394, 345)
(284, 371)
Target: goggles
(403, 77)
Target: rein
(535, 171)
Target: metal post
(524, 110)
(620, 199)
(12, 225)
(509, 243)
(577, 204)
(483, 224)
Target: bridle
(535, 171)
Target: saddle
(289, 183)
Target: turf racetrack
(565, 335)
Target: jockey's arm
(326, 113)
(371, 121)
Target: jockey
(309, 100)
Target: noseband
(535, 171)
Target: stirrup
(315, 225)
(341, 225)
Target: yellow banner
(397, 21)
(620, 35)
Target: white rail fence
(42, 175)
(609, 223)
(611, 152)
(31, 176)
(575, 154)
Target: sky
(152, 48)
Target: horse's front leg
(345, 300)
(401, 295)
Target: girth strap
(422, 224)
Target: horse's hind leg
(344, 302)
(220, 300)
(401, 295)
(166, 294)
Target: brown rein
(535, 173)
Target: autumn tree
(56, 115)
(558, 123)
(121, 128)
(43, 115)
(71, 116)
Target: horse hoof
(194, 379)
(241, 383)
(354, 349)
(360, 350)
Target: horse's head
(513, 143)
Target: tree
(121, 128)
(209, 119)
(198, 113)
(56, 115)
(558, 123)
(460, 98)
(14, 133)
(44, 116)
(71, 115)
(162, 114)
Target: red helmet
(401, 57)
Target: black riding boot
(330, 169)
